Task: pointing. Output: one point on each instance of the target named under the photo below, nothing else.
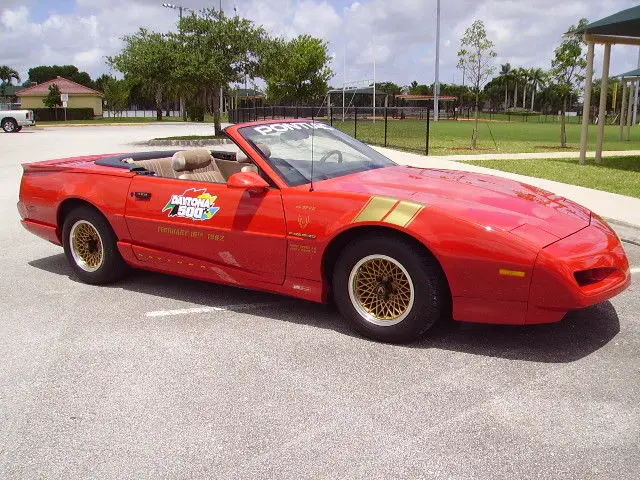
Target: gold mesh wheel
(86, 246)
(381, 290)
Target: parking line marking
(195, 310)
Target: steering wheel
(329, 153)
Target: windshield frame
(361, 147)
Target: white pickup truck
(14, 120)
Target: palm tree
(505, 73)
(538, 78)
(7, 74)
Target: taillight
(593, 275)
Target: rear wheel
(388, 289)
(9, 125)
(19, 128)
(90, 246)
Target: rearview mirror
(247, 181)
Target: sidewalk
(609, 205)
(525, 156)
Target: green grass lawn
(101, 121)
(616, 174)
(451, 137)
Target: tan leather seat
(161, 166)
(196, 165)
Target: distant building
(79, 95)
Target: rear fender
(44, 194)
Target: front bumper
(554, 287)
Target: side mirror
(247, 181)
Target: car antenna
(313, 132)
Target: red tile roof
(65, 85)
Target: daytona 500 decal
(193, 204)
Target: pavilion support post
(623, 108)
(586, 109)
(632, 85)
(602, 112)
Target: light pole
(180, 8)
(436, 85)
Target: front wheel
(389, 289)
(91, 247)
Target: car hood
(483, 199)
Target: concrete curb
(188, 143)
(627, 232)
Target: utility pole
(436, 86)
(344, 78)
(180, 8)
(374, 87)
(635, 98)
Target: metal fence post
(355, 122)
(331, 115)
(385, 126)
(426, 146)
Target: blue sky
(399, 33)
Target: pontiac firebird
(302, 209)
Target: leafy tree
(215, 50)
(100, 82)
(389, 88)
(475, 57)
(116, 94)
(567, 71)
(45, 73)
(53, 99)
(297, 70)
(150, 58)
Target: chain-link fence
(398, 127)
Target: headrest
(241, 157)
(190, 159)
(266, 151)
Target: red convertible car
(302, 209)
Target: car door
(238, 235)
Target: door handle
(141, 195)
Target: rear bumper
(48, 232)
(27, 123)
(554, 288)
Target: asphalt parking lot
(158, 376)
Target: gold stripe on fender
(404, 213)
(389, 210)
(511, 273)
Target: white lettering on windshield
(284, 127)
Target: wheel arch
(340, 241)
(70, 204)
(5, 119)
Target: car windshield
(290, 147)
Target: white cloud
(399, 32)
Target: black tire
(111, 266)
(9, 125)
(430, 290)
(18, 129)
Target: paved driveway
(159, 376)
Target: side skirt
(165, 262)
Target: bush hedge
(53, 114)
